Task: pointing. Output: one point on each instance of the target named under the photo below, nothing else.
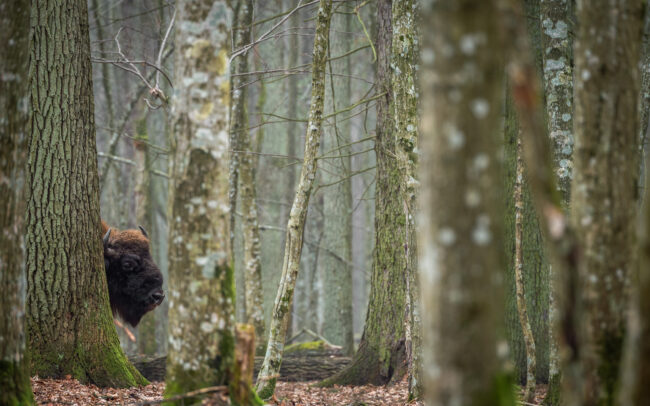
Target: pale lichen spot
(447, 236)
(480, 108)
(481, 162)
(455, 137)
(472, 198)
(481, 235)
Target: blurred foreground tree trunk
(69, 321)
(15, 387)
(201, 280)
(555, 18)
(295, 227)
(462, 207)
(604, 187)
(382, 355)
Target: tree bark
(382, 354)
(522, 308)
(14, 130)
(462, 207)
(247, 165)
(69, 322)
(295, 226)
(555, 17)
(605, 182)
(201, 280)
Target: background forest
(324, 202)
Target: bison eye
(128, 264)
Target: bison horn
(143, 231)
(107, 236)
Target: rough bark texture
(295, 226)
(247, 165)
(604, 188)
(14, 131)
(69, 322)
(382, 354)
(522, 308)
(461, 239)
(337, 209)
(201, 280)
(555, 17)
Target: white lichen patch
(480, 108)
(446, 236)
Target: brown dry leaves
(71, 392)
(303, 394)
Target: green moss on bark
(14, 381)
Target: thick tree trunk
(604, 188)
(382, 354)
(462, 207)
(69, 322)
(201, 280)
(14, 132)
(295, 227)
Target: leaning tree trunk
(201, 280)
(382, 355)
(604, 187)
(462, 207)
(253, 295)
(295, 227)
(14, 130)
(69, 322)
(555, 16)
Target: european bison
(134, 280)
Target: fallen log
(294, 368)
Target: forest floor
(71, 392)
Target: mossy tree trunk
(605, 182)
(247, 166)
(461, 251)
(14, 131)
(201, 280)
(69, 322)
(382, 355)
(295, 228)
(555, 18)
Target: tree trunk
(555, 17)
(604, 187)
(14, 130)
(201, 280)
(337, 211)
(69, 322)
(295, 227)
(522, 308)
(461, 240)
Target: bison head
(134, 280)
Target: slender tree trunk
(239, 125)
(201, 279)
(14, 131)
(604, 188)
(295, 227)
(555, 16)
(462, 207)
(69, 322)
(337, 224)
(519, 279)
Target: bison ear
(144, 232)
(106, 237)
